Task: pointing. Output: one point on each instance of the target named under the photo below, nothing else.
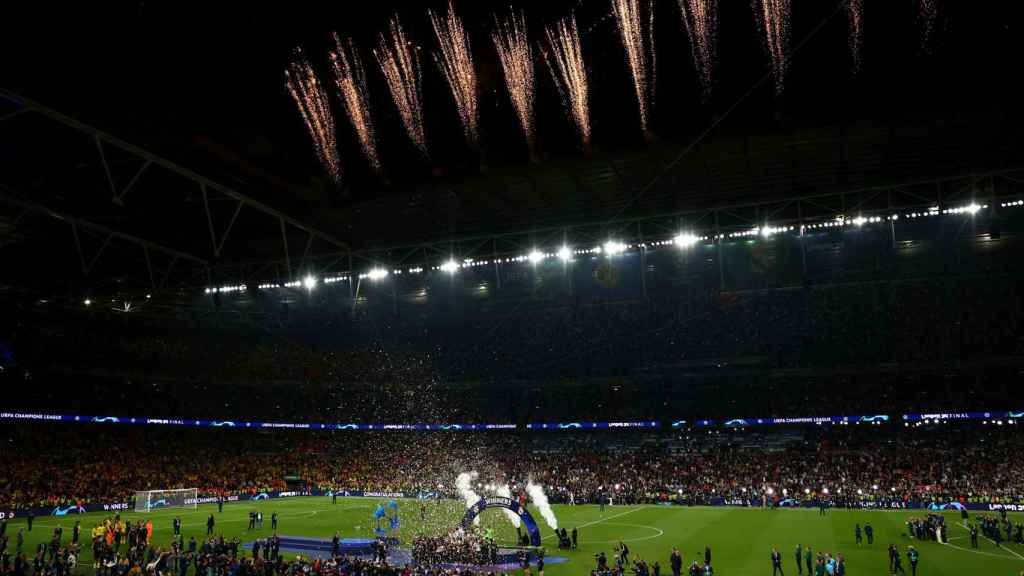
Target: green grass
(740, 539)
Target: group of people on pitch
(824, 564)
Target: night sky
(203, 83)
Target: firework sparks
(637, 34)
(456, 62)
(315, 109)
(773, 18)
(350, 77)
(701, 20)
(400, 64)
(565, 60)
(516, 55)
(928, 11)
(855, 11)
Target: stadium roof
(200, 171)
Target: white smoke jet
(512, 516)
(464, 486)
(538, 497)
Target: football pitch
(740, 539)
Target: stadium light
(685, 240)
(535, 256)
(87, 302)
(377, 274)
(450, 266)
(613, 248)
(309, 282)
(565, 253)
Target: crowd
(215, 556)
(856, 324)
(844, 465)
(459, 547)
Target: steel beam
(76, 223)
(105, 138)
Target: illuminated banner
(739, 422)
(939, 416)
(243, 424)
(590, 425)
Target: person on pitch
(777, 563)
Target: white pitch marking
(603, 520)
(659, 534)
(1007, 548)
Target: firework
(637, 34)
(773, 18)
(855, 11)
(456, 63)
(400, 63)
(315, 109)
(350, 77)
(565, 60)
(516, 55)
(928, 11)
(700, 17)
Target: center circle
(659, 534)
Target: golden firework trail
(565, 60)
(773, 18)
(350, 77)
(516, 56)
(928, 11)
(700, 17)
(637, 32)
(400, 63)
(855, 12)
(313, 105)
(456, 63)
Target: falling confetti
(565, 60)
(400, 64)
(456, 63)
(315, 109)
(855, 11)
(637, 33)
(773, 18)
(700, 17)
(516, 56)
(350, 77)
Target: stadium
(587, 287)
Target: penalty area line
(600, 520)
(1006, 548)
(961, 548)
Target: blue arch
(508, 504)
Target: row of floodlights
(1010, 422)
(615, 247)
